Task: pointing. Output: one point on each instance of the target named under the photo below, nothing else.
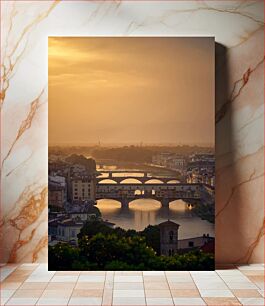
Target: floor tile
(252, 301)
(235, 278)
(177, 273)
(10, 286)
(53, 301)
(122, 301)
(56, 293)
(102, 273)
(60, 286)
(156, 285)
(179, 279)
(91, 278)
(129, 273)
(64, 279)
(129, 286)
(153, 273)
(188, 301)
(85, 301)
(251, 267)
(159, 301)
(22, 301)
(182, 286)
(33, 286)
(218, 301)
(155, 278)
(128, 293)
(261, 292)
(107, 297)
(87, 293)
(3, 300)
(232, 272)
(6, 293)
(246, 293)
(216, 293)
(241, 285)
(28, 293)
(253, 272)
(260, 285)
(211, 285)
(128, 279)
(181, 293)
(39, 278)
(157, 293)
(88, 285)
(256, 278)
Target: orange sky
(131, 90)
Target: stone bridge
(141, 179)
(165, 193)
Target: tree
(152, 237)
(61, 256)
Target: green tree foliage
(103, 248)
(152, 237)
(62, 256)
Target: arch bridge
(165, 193)
(141, 179)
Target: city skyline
(110, 90)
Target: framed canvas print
(131, 153)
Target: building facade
(83, 189)
(168, 238)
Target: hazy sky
(131, 90)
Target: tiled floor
(33, 284)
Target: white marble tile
(215, 293)
(128, 293)
(241, 285)
(128, 279)
(159, 301)
(129, 286)
(85, 301)
(251, 301)
(91, 278)
(22, 301)
(188, 301)
(53, 301)
(63, 279)
(122, 301)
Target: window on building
(73, 233)
(191, 244)
(171, 236)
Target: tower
(168, 238)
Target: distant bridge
(141, 179)
(165, 193)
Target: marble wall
(238, 29)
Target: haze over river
(143, 212)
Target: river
(143, 212)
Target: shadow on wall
(224, 150)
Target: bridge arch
(175, 181)
(154, 181)
(135, 180)
(139, 203)
(107, 181)
(116, 201)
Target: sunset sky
(131, 90)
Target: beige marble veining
(238, 27)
